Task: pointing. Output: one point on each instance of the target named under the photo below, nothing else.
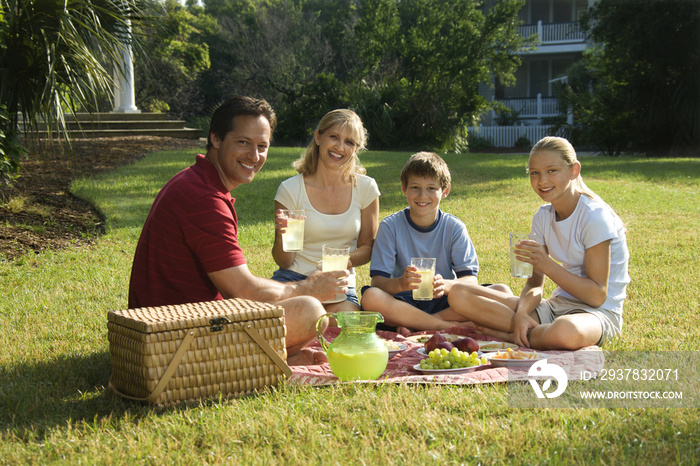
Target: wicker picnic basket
(164, 355)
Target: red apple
(468, 345)
(445, 344)
(432, 343)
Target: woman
(341, 203)
(580, 244)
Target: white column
(124, 92)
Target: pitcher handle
(319, 331)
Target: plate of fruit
(440, 341)
(425, 337)
(394, 348)
(493, 346)
(509, 358)
(441, 361)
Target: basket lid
(193, 315)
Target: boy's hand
(438, 286)
(410, 278)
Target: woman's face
(336, 146)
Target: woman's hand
(533, 253)
(280, 221)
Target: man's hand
(325, 286)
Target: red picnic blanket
(400, 367)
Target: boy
(421, 230)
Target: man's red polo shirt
(191, 230)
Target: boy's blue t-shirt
(399, 239)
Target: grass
(54, 360)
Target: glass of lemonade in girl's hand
(293, 236)
(518, 269)
(426, 269)
(335, 258)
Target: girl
(341, 202)
(579, 243)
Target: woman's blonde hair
(340, 119)
(567, 153)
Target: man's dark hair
(222, 119)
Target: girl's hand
(531, 252)
(438, 286)
(410, 278)
(522, 326)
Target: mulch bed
(49, 217)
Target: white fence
(555, 33)
(505, 136)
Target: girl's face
(336, 146)
(551, 178)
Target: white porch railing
(533, 108)
(555, 33)
(505, 136)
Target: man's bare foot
(403, 331)
(307, 357)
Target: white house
(560, 42)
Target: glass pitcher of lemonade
(357, 353)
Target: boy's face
(424, 196)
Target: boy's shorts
(430, 307)
(551, 308)
(286, 275)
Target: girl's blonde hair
(567, 153)
(340, 119)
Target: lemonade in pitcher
(357, 364)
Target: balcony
(533, 108)
(555, 33)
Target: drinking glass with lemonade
(518, 269)
(335, 258)
(426, 269)
(293, 236)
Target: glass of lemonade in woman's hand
(293, 236)
(426, 269)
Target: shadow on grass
(35, 397)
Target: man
(189, 251)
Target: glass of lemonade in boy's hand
(293, 236)
(518, 269)
(426, 269)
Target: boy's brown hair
(426, 165)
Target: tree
(640, 89)
(419, 74)
(172, 55)
(57, 55)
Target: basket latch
(217, 323)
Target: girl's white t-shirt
(319, 228)
(591, 223)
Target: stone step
(179, 133)
(105, 125)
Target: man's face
(242, 152)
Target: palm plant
(57, 56)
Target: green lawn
(54, 360)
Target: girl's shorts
(286, 275)
(551, 308)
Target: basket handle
(265, 346)
(167, 375)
